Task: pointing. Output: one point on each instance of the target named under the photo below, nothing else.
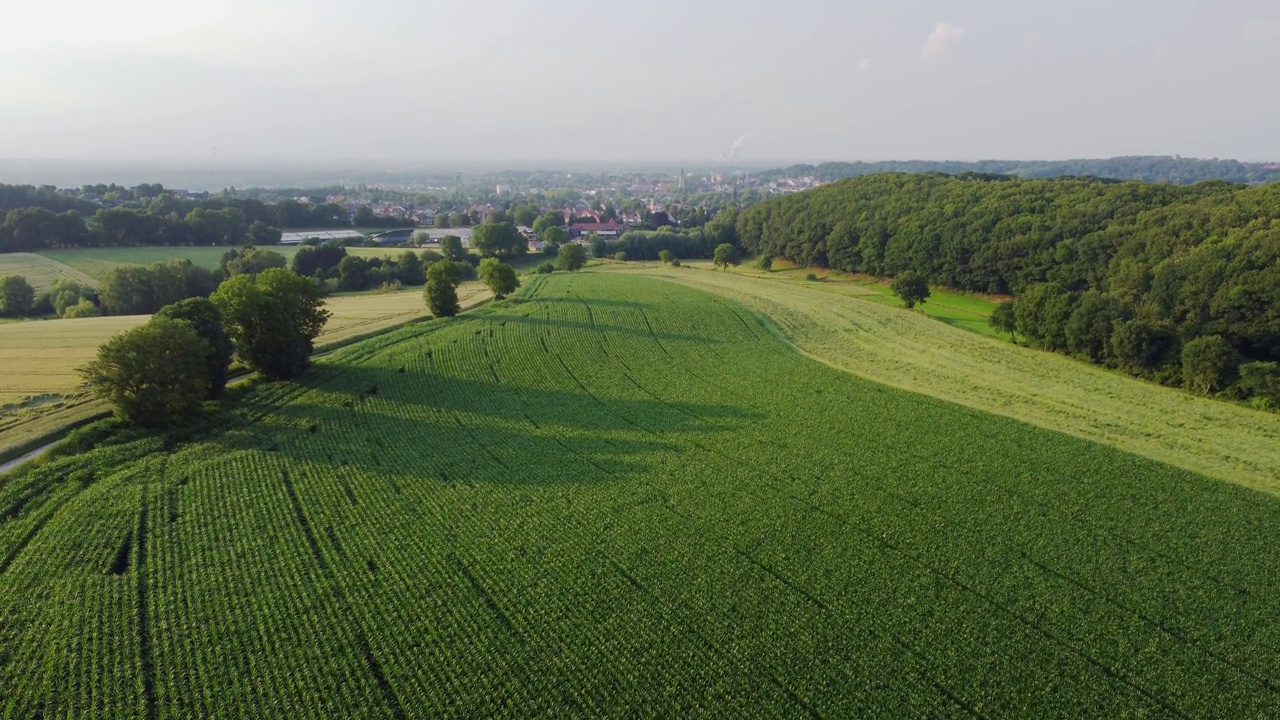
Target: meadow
(909, 350)
(41, 271)
(614, 495)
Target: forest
(1147, 168)
(1125, 274)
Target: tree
(321, 258)
(571, 257)
(16, 295)
(83, 309)
(260, 233)
(442, 220)
(252, 260)
(409, 269)
(554, 235)
(1261, 379)
(1208, 364)
(152, 374)
(206, 320)
(911, 287)
(1004, 319)
(353, 273)
(1042, 313)
(1141, 344)
(499, 277)
(1088, 330)
(666, 256)
(725, 255)
(547, 220)
(272, 319)
(451, 247)
(499, 239)
(441, 292)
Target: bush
(811, 277)
(83, 309)
(766, 262)
(620, 256)
(545, 268)
(152, 374)
(675, 262)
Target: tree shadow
(465, 430)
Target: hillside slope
(914, 352)
(616, 496)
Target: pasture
(615, 495)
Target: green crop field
(619, 496)
(911, 351)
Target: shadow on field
(572, 299)
(470, 430)
(562, 323)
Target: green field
(41, 271)
(614, 496)
(909, 350)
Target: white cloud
(944, 39)
(865, 66)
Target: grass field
(908, 350)
(40, 271)
(963, 310)
(41, 390)
(614, 497)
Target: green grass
(616, 496)
(911, 351)
(40, 271)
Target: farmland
(42, 391)
(41, 271)
(614, 495)
(911, 351)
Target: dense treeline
(1181, 171)
(698, 243)
(32, 229)
(1125, 274)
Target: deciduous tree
(152, 374)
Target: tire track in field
(348, 611)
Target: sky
(602, 80)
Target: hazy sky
(659, 80)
